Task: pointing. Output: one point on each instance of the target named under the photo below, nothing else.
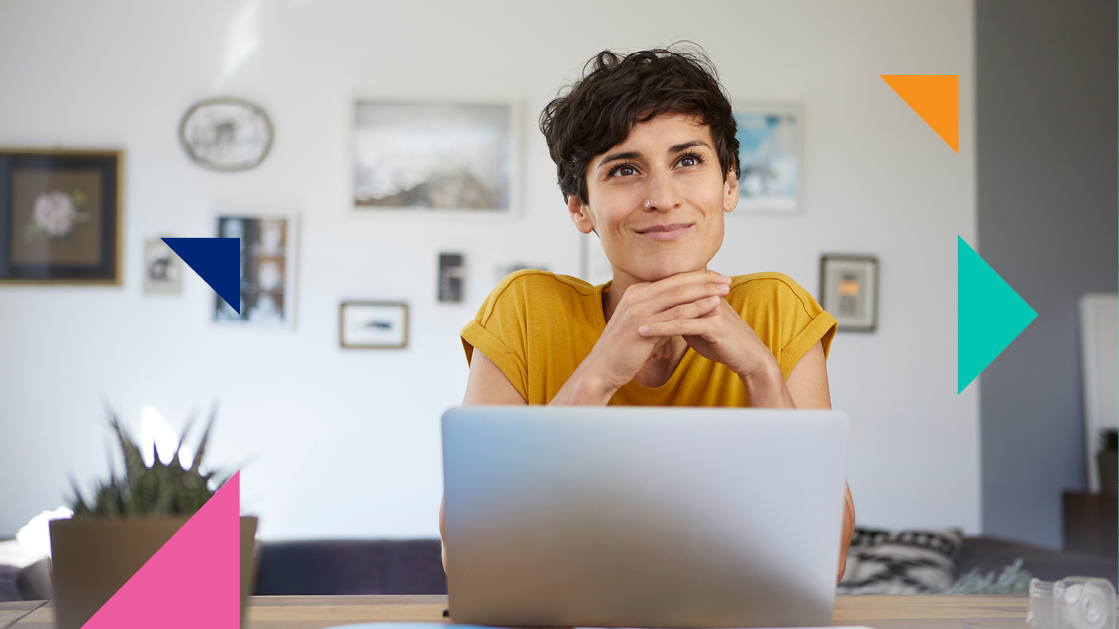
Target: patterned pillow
(907, 562)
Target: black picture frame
(89, 252)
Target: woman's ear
(580, 214)
(730, 191)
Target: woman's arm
(486, 385)
(807, 386)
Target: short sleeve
(499, 330)
(785, 316)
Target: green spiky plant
(159, 490)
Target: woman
(647, 158)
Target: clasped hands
(690, 305)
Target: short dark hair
(599, 110)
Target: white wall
(347, 442)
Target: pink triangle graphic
(193, 581)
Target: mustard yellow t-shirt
(537, 327)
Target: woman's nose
(662, 194)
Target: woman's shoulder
(768, 288)
(537, 280)
(539, 287)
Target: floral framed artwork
(849, 291)
(61, 216)
(373, 324)
(769, 152)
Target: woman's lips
(672, 231)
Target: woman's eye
(690, 160)
(623, 170)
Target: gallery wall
(345, 443)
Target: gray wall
(1047, 190)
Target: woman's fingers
(684, 288)
(691, 310)
(677, 327)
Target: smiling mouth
(671, 231)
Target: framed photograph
(371, 324)
(163, 269)
(226, 134)
(267, 269)
(61, 216)
(769, 150)
(849, 291)
(452, 278)
(434, 156)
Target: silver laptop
(642, 517)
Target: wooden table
(315, 612)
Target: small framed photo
(163, 269)
(434, 156)
(61, 216)
(769, 151)
(372, 324)
(452, 278)
(849, 291)
(226, 134)
(268, 252)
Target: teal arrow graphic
(989, 314)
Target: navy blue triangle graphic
(217, 261)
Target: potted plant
(1107, 461)
(127, 520)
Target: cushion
(905, 562)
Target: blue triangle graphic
(989, 315)
(217, 261)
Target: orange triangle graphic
(935, 98)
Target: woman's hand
(722, 336)
(623, 350)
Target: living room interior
(338, 444)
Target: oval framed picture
(226, 134)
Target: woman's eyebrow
(617, 156)
(687, 145)
(634, 154)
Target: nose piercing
(648, 205)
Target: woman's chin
(655, 273)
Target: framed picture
(372, 324)
(452, 278)
(226, 134)
(434, 156)
(769, 150)
(849, 291)
(267, 269)
(163, 269)
(61, 216)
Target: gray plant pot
(93, 557)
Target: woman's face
(657, 200)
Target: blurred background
(344, 443)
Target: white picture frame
(770, 152)
(443, 156)
(1099, 356)
(163, 269)
(269, 246)
(372, 325)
